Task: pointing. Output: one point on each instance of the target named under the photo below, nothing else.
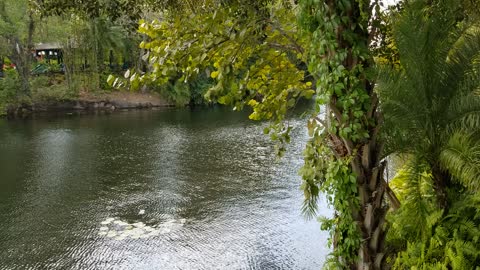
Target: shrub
(8, 87)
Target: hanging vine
(342, 158)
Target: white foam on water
(120, 230)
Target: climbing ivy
(343, 153)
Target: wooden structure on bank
(49, 51)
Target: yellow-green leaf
(214, 74)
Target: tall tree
(344, 155)
(17, 26)
(431, 106)
(430, 100)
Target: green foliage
(113, 9)
(252, 57)
(13, 21)
(176, 91)
(50, 88)
(104, 35)
(8, 89)
(413, 186)
(40, 81)
(431, 106)
(198, 88)
(191, 92)
(384, 47)
(340, 187)
(339, 34)
(430, 101)
(58, 92)
(423, 235)
(461, 156)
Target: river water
(169, 189)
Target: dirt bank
(117, 100)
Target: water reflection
(203, 185)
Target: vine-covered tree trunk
(341, 61)
(366, 164)
(366, 153)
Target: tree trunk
(111, 59)
(19, 58)
(372, 188)
(441, 180)
(371, 215)
(366, 161)
(22, 56)
(96, 58)
(69, 64)
(1, 65)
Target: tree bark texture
(366, 161)
(441, 180)
(372, 187)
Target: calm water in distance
(169, 189)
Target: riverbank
(86, 101)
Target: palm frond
(451, 242)
(463, 58)
(414, 188)
(461, 158)
(464, 112)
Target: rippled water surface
(173, 189)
